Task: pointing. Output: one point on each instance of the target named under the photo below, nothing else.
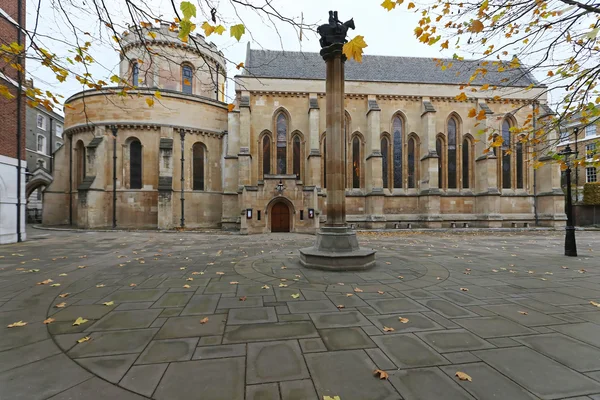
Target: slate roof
(304, 65)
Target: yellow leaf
(349, 295)
(464, 289)
(461, 97)
(79, 321)
(204, 320)
(403, 320)
(472, 113)
(17, 324)
(61, 305)
(237, 31)
(230, 107)
(410, 5)
(240, 66)
(388, 5)
(84, 339)
(208, 28)
(340, 306)
(523, 312)
(445, 45)
(132, 285)
(49, 321)
(387, 329)
(358, 290)
(282, 285)
(109, 303)
(187, 9)
(463, 377)
(152, 35)
(55, 284)
(418, 31)
(100, 286)
(484, 87)
(550, 73)
(186, 286)
(295, 295)
(150, 101)
(354, 48)
(331, 398)
(381, 374)
(219, 29)
(380, 292)
(47, 281)
(476, 26)
(265, 287)
(233, 283)
(158, 95)
(594, 303)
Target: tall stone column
(336, 246)
(373, 167)
(430, 202)
(314, 157)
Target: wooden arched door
(280, 218)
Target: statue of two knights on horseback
(334, 31)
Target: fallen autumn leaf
(463, 377)
(79, 321)
(17, 324)
(381, 374)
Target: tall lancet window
(266, 153)
(282, 127)
(397, 138)
(506, 156)
(452, 154)
(356, 163)
(385, 162)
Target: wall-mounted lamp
(311, 213)
(280, 187)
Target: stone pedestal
(336, 247)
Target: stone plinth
(337, 249)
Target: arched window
(397, 128)
(411, 163)
(135, 73)
(296, 156)
(438, 148)
(356, 163)
(198, 155)
(266, 154)
(80, 174)
(519, 160)
(135, 164)
(186, 79)
(324, 162)
(451, 153)
(466, 163)
(282, 127)
(384, 161)
(506, 149)
(346, 140)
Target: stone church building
(413, 156)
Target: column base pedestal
(336, 249)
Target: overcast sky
(386, 33)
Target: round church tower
(169, 107)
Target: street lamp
(570, 245)
(182, 137)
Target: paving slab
(138, 295)
(532, 318)
(269, 331)
(235, 302)
(298, 390)
(96, 387)
(312, 345)
(556, 298)
(251, 316)
(111, 368)
(331, 373)
(226, 350)
(182, 327)
(126, 320)
(586, 332)
(339, 319)
(216, 379)
(172, 300)
(408, 351)
(416, 323)
(392, 306)
(311, 306)
(531, 370)
(487, 383)
(169, 350)
(265, 391)
(346, 339)
(453, 340)
(90, 312)
(219, 288)
(425, 384)
(14, 358)
(491, 327)
(448, 309)
(42, 379)
(575, 354)
(113, 342)
(143, 379)
(274, 362)
(352, 301)
(201, 304)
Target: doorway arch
(280, 217)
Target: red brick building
(12, 126)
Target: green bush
(591, 193)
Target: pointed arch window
(506, 156)
(397, 138)
(438, 148)
(385, 161)
(296, 156)
(80, 148)
(266, 154)
(346, 140)
(519, 160)
(452, 154)
(466, 163)
(135, 73)
(199, 155)
(282, 127)
(356, 163)
(135, 164)
(186, 79)
(411, 163)
(324, 162)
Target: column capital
(333, 51)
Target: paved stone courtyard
(215, 316)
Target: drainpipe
(51, 147)
(182, 136)
(71, 179)
(217, 88)
(114, 130)
(19, 111)
(535, 199)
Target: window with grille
(590, 175)
(199, 161)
